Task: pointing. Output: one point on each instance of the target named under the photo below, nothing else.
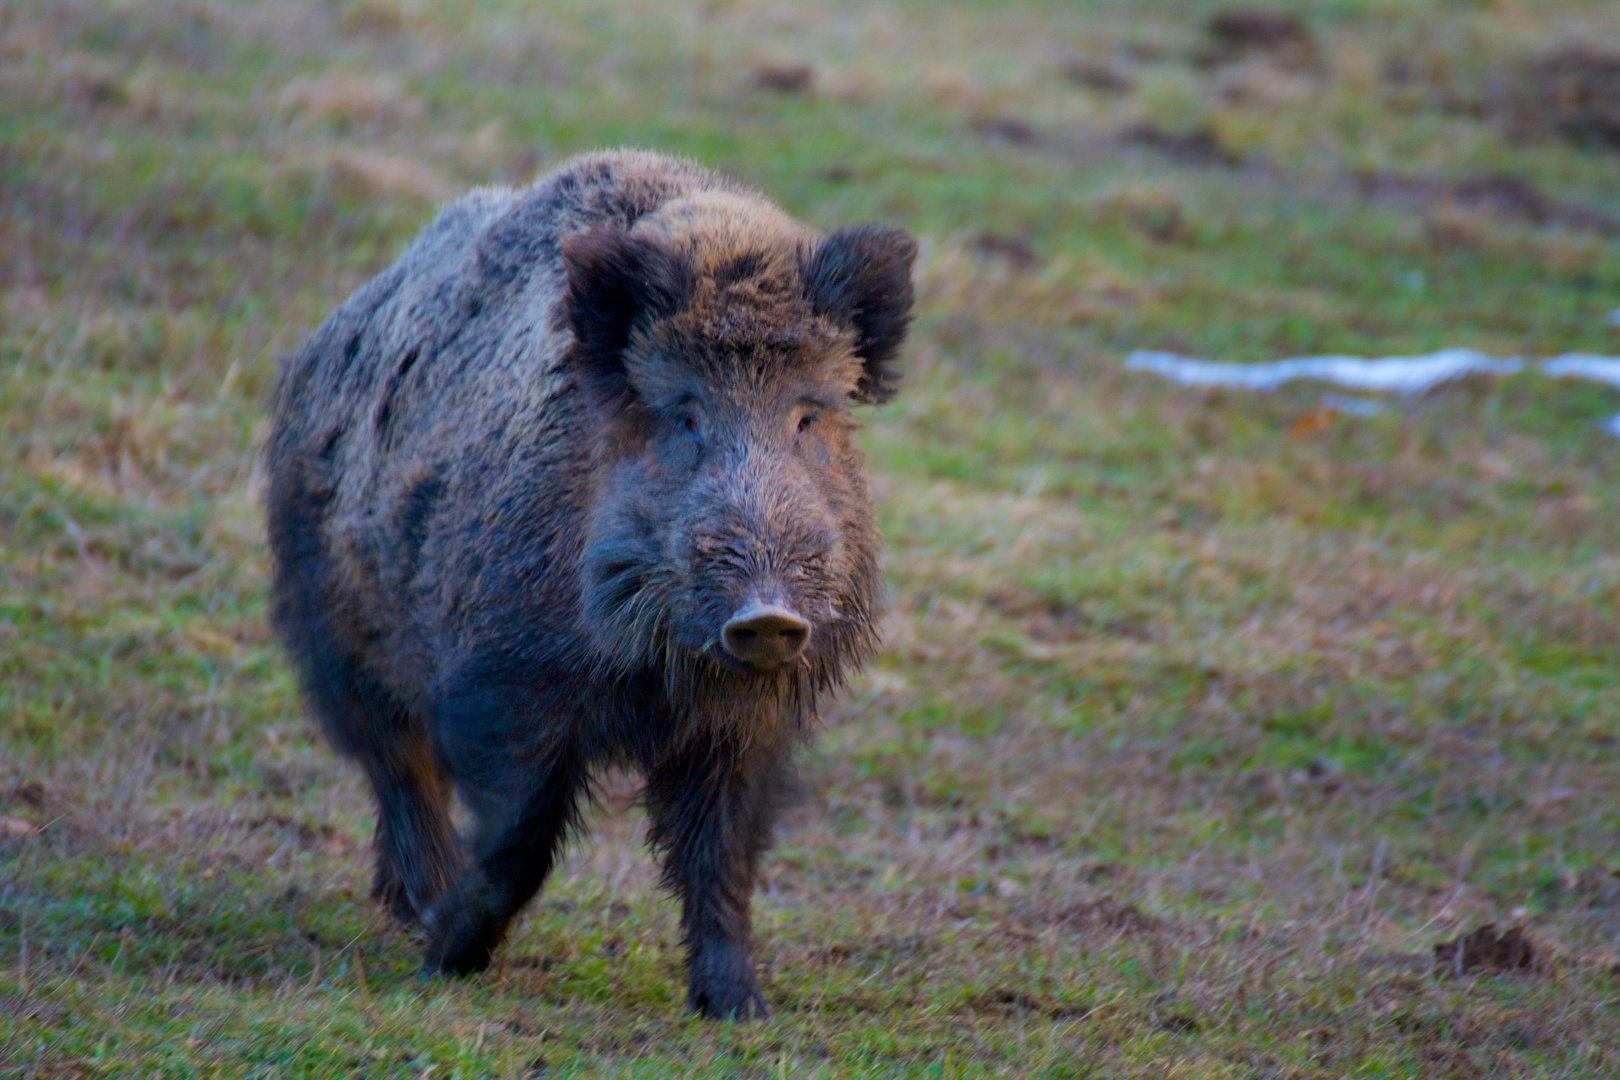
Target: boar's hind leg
(712, 820)
(416, 850)
(415, 842)
(525, 802)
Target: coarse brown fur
(521, 480)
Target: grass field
(1204, 715)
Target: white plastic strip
(1400, 374)
(1604, 369)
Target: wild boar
(573, 484)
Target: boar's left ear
(861, 277)
(617, 282)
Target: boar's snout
(765, 636)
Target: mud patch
(1005, 1001)
(1013, 251)
(787, 79)
(1506, 198)
(1200, 146)
(1096, 76)
(1574, 92)
(1277, 36)
(1008, 130)
(28, 793)
(1485, 950)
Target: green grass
(1203, 716)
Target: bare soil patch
(1574, 92)
(1485, 949)
(1278, 36)
(1506, 198)
(790, 79)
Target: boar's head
(732, 532)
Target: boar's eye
(691, 425)
(806, 422)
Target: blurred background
(1213, 724)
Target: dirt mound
(788, 79)
(1485, 949)
(1094, 75)
(1575, 92)
(1009, 1000)
(1007, 129)
(1014, 251)
(1278, 36)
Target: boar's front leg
(524, 794)
(712, 816)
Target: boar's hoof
(736, 1000)
(463, 930)
(722, 983)
(765, 636)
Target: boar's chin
(625, 603)
(634, 617)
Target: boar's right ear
(616, 282)
(861, 277)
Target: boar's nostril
(765, 635)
